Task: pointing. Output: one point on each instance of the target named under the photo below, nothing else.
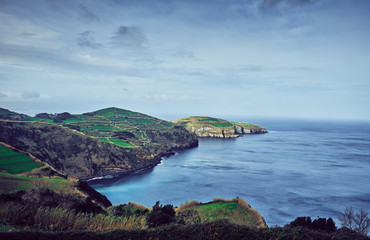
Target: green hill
(121, 127)
(98, 143)
(216, 127)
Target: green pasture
(217, 210)
(73, 120)
(14, 162)
(11, 183)
(120, 143)
(246, 125)
(104, 128)
(221, 125)
(166, 124)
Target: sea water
(299, 168)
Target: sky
(177, 58)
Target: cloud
(268, 4)
(86, 40)
(32, 94)
(129, 37)
(87, 15)
(184, 53)
(3, 95)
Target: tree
(161, 215)
(359, 222)
(320, 224)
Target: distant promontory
(218, 128)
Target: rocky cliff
(105, 142)
(218, 128)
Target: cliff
(218, 128)
(100, 143)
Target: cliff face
(99, 143)
(77, 155)
(218, 128)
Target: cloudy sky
(267, 58)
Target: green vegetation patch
(221, 125)
(104, 140)
(11, 183)
(246, 125)
(73, 120)
(119, 142)
(14, 162)
(209, 119)
(166, 124)
(217, 210)
(234, 210)
(104, 128)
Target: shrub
(320, 224)
(161, 215)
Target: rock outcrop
(218, 128)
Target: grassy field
(12, 183)
(15, 162)
(234, 210)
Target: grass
(104, 140)
(246, 125)
(116, 141)
(215, 211)
(105, 123)
(12, 183)
(61, 219)
(221, 125)
(104, 128)
(73, 120)
(15, 162)
(119, 142)
(235, 210)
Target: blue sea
(300, 168)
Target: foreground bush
(213, 230)
(161, 215)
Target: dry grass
(188, 205)
(61, 219)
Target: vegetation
(105, 124)
(320, 224)
(93, 144)
(161, 215)
(220, 229)
(358, 222)
(16, 162)
(57, 218)
(234, 210)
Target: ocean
(300, 168)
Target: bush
(161, 215)
(320, 224)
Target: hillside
(216, 127)
(99, 143)
(27, 179)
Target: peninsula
(218, 128)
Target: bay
(300, 168)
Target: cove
(300, 168)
